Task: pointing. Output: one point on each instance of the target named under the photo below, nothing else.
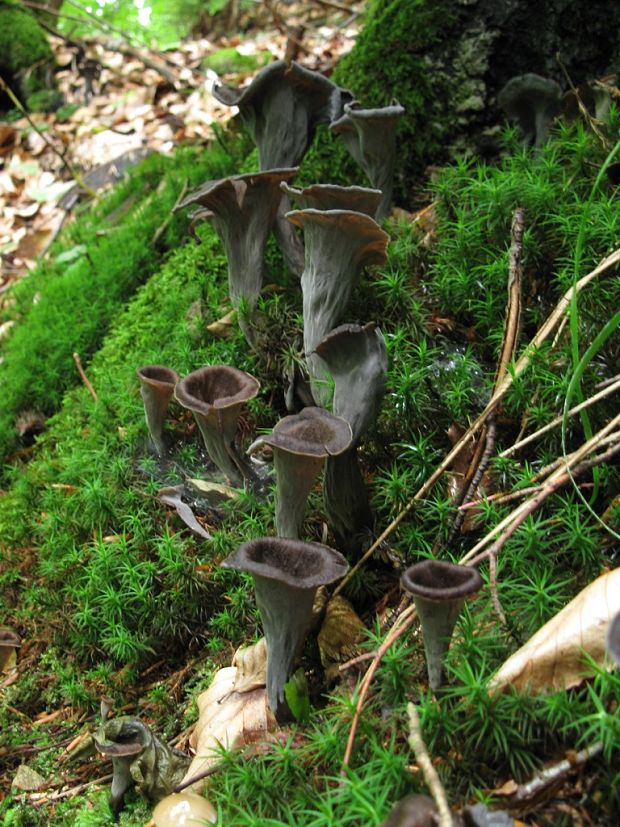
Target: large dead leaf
(554, 658)
(232, 712)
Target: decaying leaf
(172, 496)
(553, 658)
(206, 487)
(230, 714)
(340, 633)
(224, 327)
(28, 779)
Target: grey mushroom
(300, 445)
(281, 108)
(532, 102)
(156, 389)
(215, 395)
(242, 210)
(339, 243)
(370, 137)
(439, 590)
(356, 357)
(286, 575)
(333, 197)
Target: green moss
(68, 306)
(26, 59)
(229, 60)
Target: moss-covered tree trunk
(446, 60)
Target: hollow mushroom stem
(286, 575)
(300, 445)
(216, 396)
(439, 590)
(156, 388)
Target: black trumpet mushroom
(439, 590)
(286, 575)
(156, 389)
(216, 395)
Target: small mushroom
(333, 197)
(286, 575)
(412, 811)
(439, 589)
(281, 108)
(339, 243)
(533, 102)
(216, 395)
(370, 137)
(184, 810)
(242, 210)
(122, 756)
(300, 445)
(357, 359)
(9, 642)
(156, 389)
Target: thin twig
(331, 4)
(78, 363)
(356, 661)
(519, 368)
(536, 785)
(416, 742)
(606, 391)
(162, 228)
(46, 798)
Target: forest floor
(109, 566)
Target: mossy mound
(26, 59)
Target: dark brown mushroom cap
(158, 376)
(349, 224)
(333, 197)
(530, 88)
(112, 749)
(232, 191)
(298, 564)
(9, 638)
(338, 340)
(216, 386)
(313, 432)
(439, 580)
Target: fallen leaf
(553, 658)
(207, 487)
(224, 327)
(28, 779)
(340, 633)
(172, 496)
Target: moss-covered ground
(112, 594)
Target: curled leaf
(555, 657)
(172, 496)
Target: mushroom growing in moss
(156, 389)
(281, 108)
(532, 102)
(439, 590)
(286, 575)
(357, 359)
(339, 243)
(300, 445)
(333, 197)
(242, 210)
(215, 395)
(370, 137)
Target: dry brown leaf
(224, 327)
(230, 717)
(553, 658)
(340, 633)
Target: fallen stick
(78, 363)
(416, 742)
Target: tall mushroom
(286, 575)
(300, 445)
(281, 108)
(333, 197)
(242, 209)
(533, 102)
(357, 359)
(339, 243)
(370, 137)
(439, 590)
(156, 389)
(216, 395)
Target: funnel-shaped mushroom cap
(370, 137)
(338, 244)
(215, 395)
(439, 590)
(156, 388)
(532, 101)
(312, 433)
(282, 108)
(183, 810)
(333, 197)
(242, 209)
(301, 442)
(286, 576)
